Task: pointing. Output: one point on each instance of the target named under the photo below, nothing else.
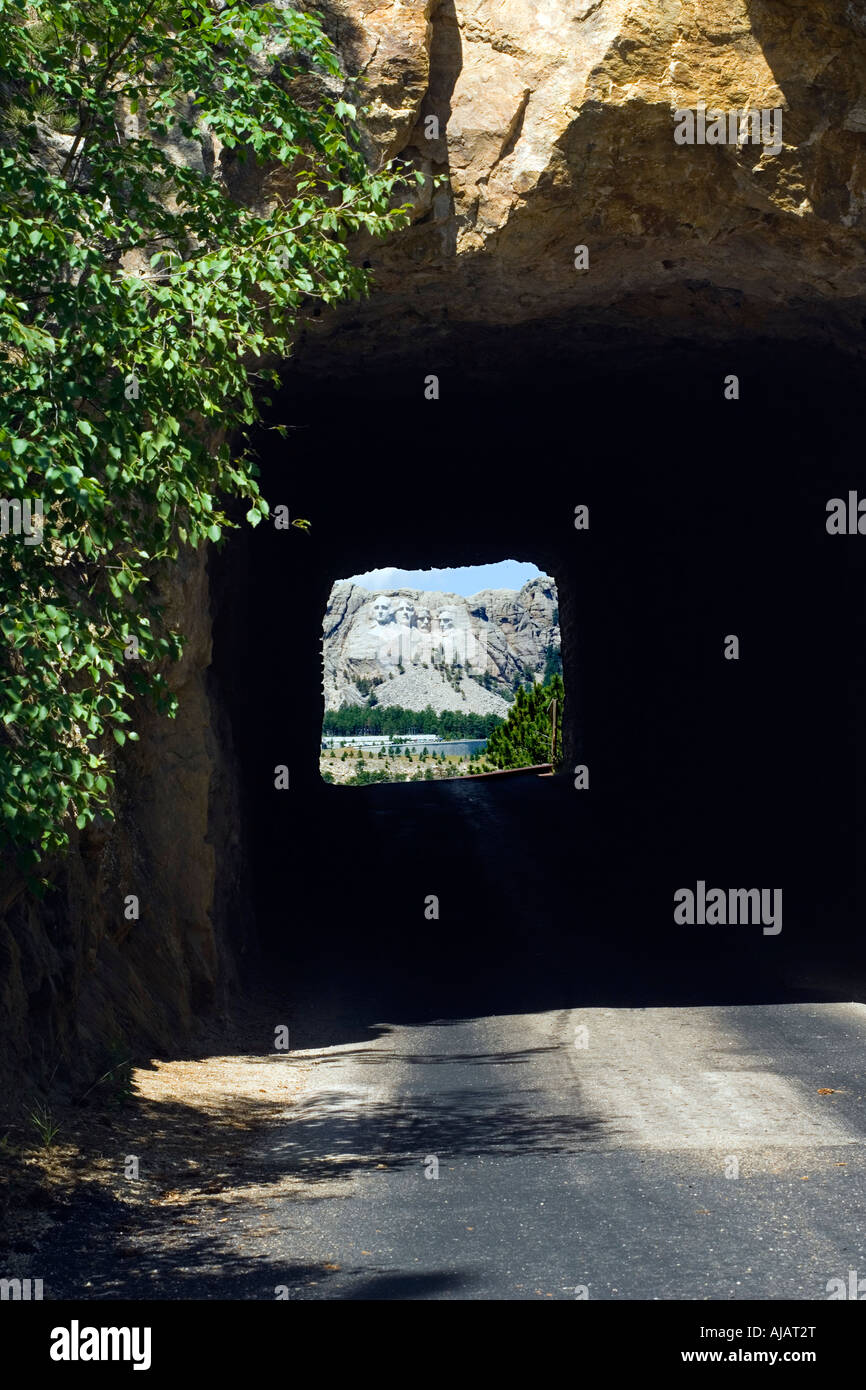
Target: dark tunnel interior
(707, 518)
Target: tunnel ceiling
(556, 130)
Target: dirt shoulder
(150, 1149)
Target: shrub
(135, 294)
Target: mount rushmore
(417, 647)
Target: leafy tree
(135, 293)
(365, 778)
(484, 679)
(392, 720)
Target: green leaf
(130, 304)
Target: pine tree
(524, 739)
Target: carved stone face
(404, 612)
(382, 611)
(446, 619)
(422, 618)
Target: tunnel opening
(706, 520)
(441, 673)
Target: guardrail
(542, 769)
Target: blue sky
(466, 580)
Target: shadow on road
(541, 905)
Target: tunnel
(707, 520)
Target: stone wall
(78, 978)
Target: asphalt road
(569, 1161)
(657, 1153)
(617, 1106)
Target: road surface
(689, 1153)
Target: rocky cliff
(414, 648)
(553, 126)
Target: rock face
(556, 129)
(414, 647)
(83, 982)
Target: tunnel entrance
(442, 673)
(706, 521)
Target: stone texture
(556, 129)
(497, 633)
(77, 978)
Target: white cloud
(375, 579)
